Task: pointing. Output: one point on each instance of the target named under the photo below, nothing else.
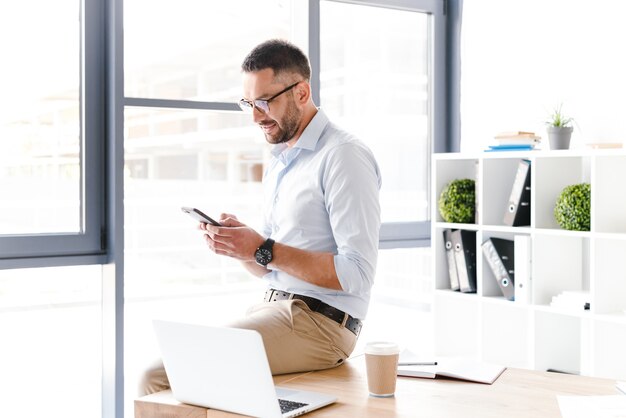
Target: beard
(286, 127)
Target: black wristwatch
(264, 254)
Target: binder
(452, 272)
(465, 256)
(499, 254)
(518, 209)
(523, 279)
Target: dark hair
(279, 55)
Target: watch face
(263, 256)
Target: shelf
(456, 294)
(564, 312)
(501, 301)
(609, 346)
(608, 200)
(534, 334)
(558, 342)
(620, 236)
(505, 335)
(539, 153)
(451, 225)
(608, 268)
(507, 229)
(562, 232)
(550, 177)
(617, 317)
(448, 170)
(458, 315)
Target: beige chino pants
(295, 338)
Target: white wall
(522, 58)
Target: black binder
(518, 209)
(500, 256)
(454, 276)
(465, 256)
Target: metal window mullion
(315, 50)
(180, 104)
(113, 270)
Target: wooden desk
(516, 393)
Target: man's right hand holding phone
(236, 240)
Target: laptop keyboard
(287, 406)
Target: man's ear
(302, 93)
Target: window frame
(88, 245)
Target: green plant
(558, 119)
(457, 201)
(573, 207)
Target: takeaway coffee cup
(381, 361)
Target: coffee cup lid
(382, 347)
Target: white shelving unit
(485, 325)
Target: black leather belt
(317, 305)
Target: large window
(51, 130)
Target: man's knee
(153, 380)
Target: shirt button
(276, 199)
(276, 228)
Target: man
(319, 245)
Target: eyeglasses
(262, 105)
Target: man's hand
(233, 239)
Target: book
(511, 147)
(515, 141)
(517, 134)
(455, 368)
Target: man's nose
(257, 114)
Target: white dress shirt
(323, 195)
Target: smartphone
(200, 216)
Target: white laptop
(227, 369)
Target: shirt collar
(309, 137)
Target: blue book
(510, 147)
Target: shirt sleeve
(352, 182)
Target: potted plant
(573, 207)
(559, 129)
(457, 201)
